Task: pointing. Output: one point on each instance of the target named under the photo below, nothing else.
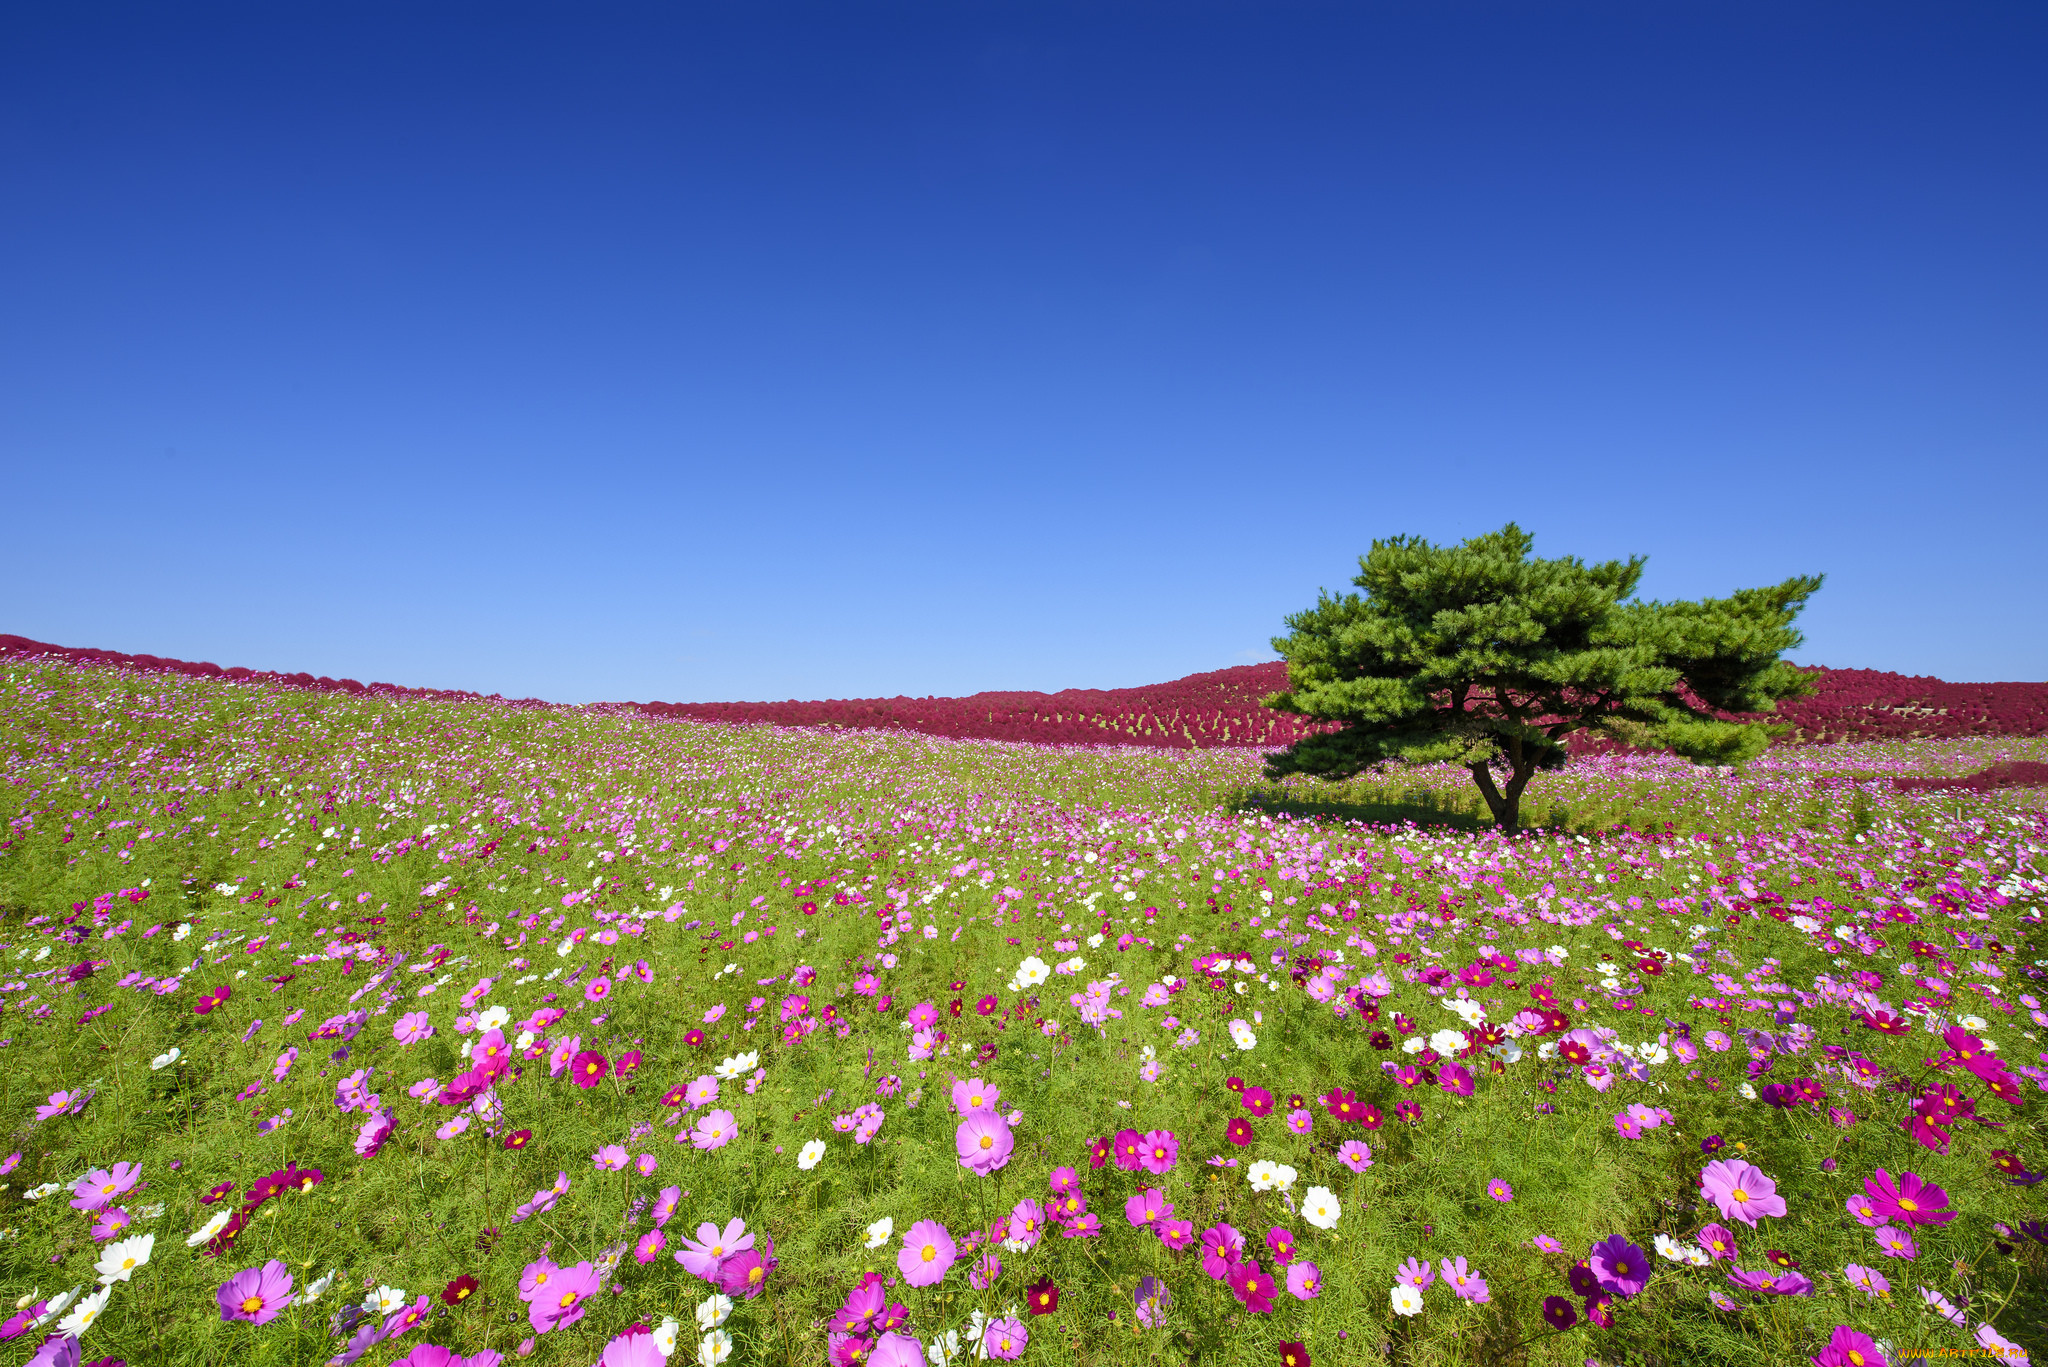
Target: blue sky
(770, 351)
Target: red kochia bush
(2023, 773)
(1222, 708)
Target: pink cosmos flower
(705, 1255)
(646, 1164)
(1148, 1208)
(714, 1130)
(1741, 1191)
(896, 1350)
(983, 1142)
(1005, 1338)
(1415, 1273)
(566, 1299)
(703, 1091)
(665, 1205)
(1176, 1234)
(1870, 1279)
(632, 1349)
(1065, 1182)
(745, 1273)
(1499, 1190)
(99, 1187)
(256, 1294)
(1252, 1287)
(610, 1158)
(109, 1222)
(1299, 1122)
(649, 1247)
(411, 1028)
(974, 1095)
(1896, 1243)
(1280, 1243)
(1027, 1223)
(1863, 1211)
(374, 1132)
(928, 1250)
(1465, 1283)
(597, 989)
(985, 1271)
(1354, 1155)
(1304, 1281)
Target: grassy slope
(236, 785)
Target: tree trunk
(1505, 806)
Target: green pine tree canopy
(1482, 655)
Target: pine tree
(1482, 655)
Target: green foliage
(1484, 656)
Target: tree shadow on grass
(1421, 806)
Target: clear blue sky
(766, 351)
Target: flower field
(344, 1025)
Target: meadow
(344, 1026)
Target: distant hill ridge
(1220, 707)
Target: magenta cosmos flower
(1148, 1208)
(256, 1294)
(1909, 1199)
(1252, 1287)
(745, 1274)
(1499, 1190)
(589, 1068)
(983, 1142)
(597, 989)
(1741, 1191)
(928, 1250)
(1847, 1348)
(714, 1129)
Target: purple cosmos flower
(1559, 1312)
(1152, 1298)
(256, 1294)
(1619, 1266)
(610, 1158)
(896, 1350)
(928, 1250)
(1896, 1243)
(983, 1142)
(1065, 1182)
(1870, 1279)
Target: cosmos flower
(713, 1130)
(1741, 1191)
(928, 1251)
(256, 1294)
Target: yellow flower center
(251, 1304)
(718, 1250)
(568, 1299)
(974, 1102)
(1738, 1195)
(930, 1252)
(1908, 1204)
(1856, 1357)
(755, 1273)
(988, 1141)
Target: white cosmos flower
(809, 1155)
(1407, 1300)
(1266, 1175)
(206, 1231)
(84, 1313)
(493, 1019)
(716, 1348)
(119, 1260)
(1242, 1036)
(316, 1289)
(1447, 1042)
(55, 1307)
(385, 1300)
(46, 1189)
(665, 1335)
(880, 1232)
(165, 1059)
(1748, 1092)
(943, 1349)
(713, 1310)
(1320, 1208)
